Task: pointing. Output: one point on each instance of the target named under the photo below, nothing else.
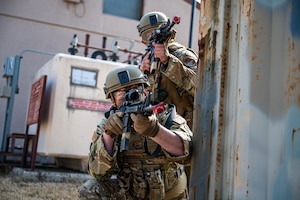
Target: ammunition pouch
(124, 179)
(156, 184)
(149, 178)
(139, 184)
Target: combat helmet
(149, 22)
(121, 77)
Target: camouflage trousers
(110, 190)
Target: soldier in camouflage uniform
(173, 81)
(159, 146)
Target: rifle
(159, 36)
(131, 105)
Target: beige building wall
(49, 25)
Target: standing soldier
(173, 80)
(152, 167)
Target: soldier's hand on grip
(146, 63)
(114, 124)
(160, 52)
(145, 125)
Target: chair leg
(33, 153)
(7, 144)
(25, 152)
(13, 143)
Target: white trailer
(74, 104)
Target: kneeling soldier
(152, 165)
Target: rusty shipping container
(247, 109)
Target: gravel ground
(19, 184)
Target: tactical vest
(146, 170)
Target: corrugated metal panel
(247, 118)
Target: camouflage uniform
(173, 82)
(144, 171)
(177, 79)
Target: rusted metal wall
(247, 110)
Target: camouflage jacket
(177, 78)
(143, 155)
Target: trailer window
(83, 77)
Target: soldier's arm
(169, 141)
(108, 142)
(184, 77)
(176, 141)
(101, 162)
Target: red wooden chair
(31, 135)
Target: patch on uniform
(187, 57)
(179, 120)
(190, 58)
(189, 62)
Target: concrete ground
(50, 174)
(43, 183)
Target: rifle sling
(155, 153)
